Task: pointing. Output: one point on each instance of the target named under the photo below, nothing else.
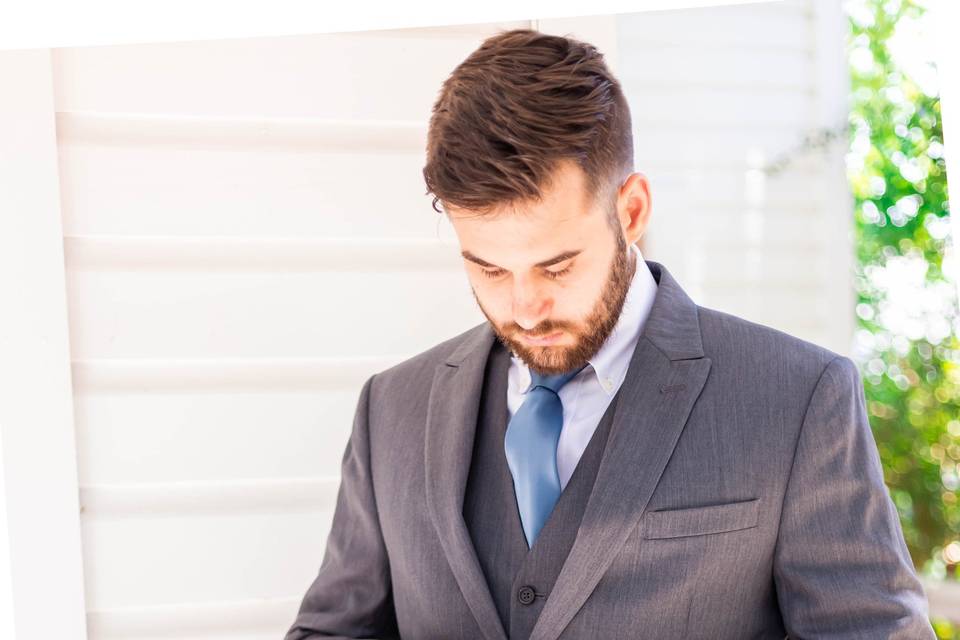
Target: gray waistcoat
(520, 579)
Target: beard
(588, 337)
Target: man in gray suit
(603, 457)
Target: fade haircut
(516, 107)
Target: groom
(603, 457)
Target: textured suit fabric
(739, 495)
(491, 514)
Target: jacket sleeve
(351, 596)
(841, 566)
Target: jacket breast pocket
(698, 521)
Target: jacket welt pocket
(698, 521)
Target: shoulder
(419, 368)
(751, 347)
(776, 376)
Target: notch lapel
(666, 374)
(451, 425)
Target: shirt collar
(610, 363)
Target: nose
(530, 305)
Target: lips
(542, 340)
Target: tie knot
(553, 382)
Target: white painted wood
(338, 76)
(719, 95)
(831, 112)
(240, 256)
(254, 619)
(264, 254)
(39, 461)
(243, 191)
(276, 314)
(115, 22)
(196, 558)
(207, 498)
(755, 26)
(166, 375)
(6, 572)
(201, 435)
(239, 132)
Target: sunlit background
(908, 327)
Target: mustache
(541, 334)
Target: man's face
(578, 297)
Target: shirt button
(526, 594)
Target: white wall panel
(757, 25)
(188, 178)
(41, 572)
(719, 95)
(381, 75)
(247, 239)
(207, 436)
(719, 67)
(289, 314)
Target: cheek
(578, 298)
(493, 298)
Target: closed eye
(557, 274)
(495, 273)
(553, 275)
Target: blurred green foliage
(907, 341)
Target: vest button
(526, 594)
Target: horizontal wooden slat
(187, 131)
(241, 619)
(201, 556)
(719, 107)
(258, 253)
(228, 496)
(161, 190)
(330, 75)
(760, 26)
(198, 434)
(125, 313)
(673, 63)
(164, 375)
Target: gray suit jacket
(740, 495)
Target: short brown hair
(519, 104)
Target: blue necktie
(531, 447)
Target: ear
(633, 206)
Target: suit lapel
(664, 379)
(451, 424)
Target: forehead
(520, 241)
(524, 239)
(564, 205)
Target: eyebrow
(566, 255)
